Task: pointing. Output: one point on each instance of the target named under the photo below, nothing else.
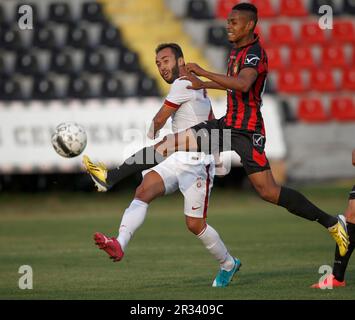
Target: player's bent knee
(195, 225)
(268, 194)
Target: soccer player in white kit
(191, 172)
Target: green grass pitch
(281, 253)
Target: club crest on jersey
(251, 60)
(258, 140)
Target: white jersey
(192, 107)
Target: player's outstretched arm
(242, 82)
(159, 120)
(353, 157)
(197, 84)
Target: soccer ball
(69, 139)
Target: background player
(191, 172)
(340, 263)
(244, 82)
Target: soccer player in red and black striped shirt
(244, 83)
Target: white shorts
(195, 181)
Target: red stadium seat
(265, 8)
(281, 34)
(322, 80)
(224, 7)
(290, 81)
(312, 110)
(301, 57)
(292, 8)
(348, 82)
(274, 57)
(333, 56)
(312, 34)
(343, 31)
(342, 109)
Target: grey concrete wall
(319, 151)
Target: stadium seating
(342, 109)
(322, 80)
(293, 8)
(343, 32)
(199, 9)
(349, 6)
(265, 8)
(301, 57)
(312, 110)
(72, 41)
(348, 81)
(290, 81)
(224, 7)
(312, 34)
(275, 58)
(333, 56)
(281, 34)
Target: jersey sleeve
(179, 94)
(254, 58)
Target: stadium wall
(115, 129)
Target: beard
(175, 73)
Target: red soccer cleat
(110, 245)
(329, 282)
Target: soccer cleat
(98, 173)
(340, 234)
(224, 277)
(329, 282)
(110, 245)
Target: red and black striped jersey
(243, 108)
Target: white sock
(214, 244)
(132, 219)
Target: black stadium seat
(79, 87)
(60, 12)
(27, 63)
(217, 36)
(199, 10)
(10, 89)
(110, 36)
(92, 11)
(147, 87)
(349, 6)
(112, 87)
(45, 38)
(62, 62)
(43, 89)
(95, 61)
(11, 40)
(129, 61)
(78, 37)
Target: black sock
(340, 263)
(299, 205)
(142, 160)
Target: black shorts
(214, 136)
(352, 194)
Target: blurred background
(93, 62)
